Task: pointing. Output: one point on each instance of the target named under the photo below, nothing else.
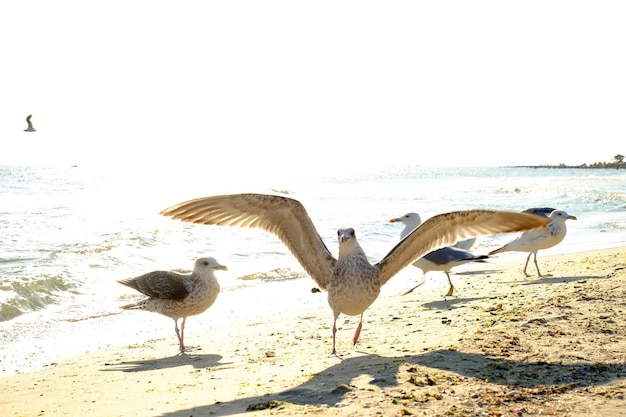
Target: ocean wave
(610, 198)
(25, 294)
(611, 226)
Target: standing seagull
(177, 295)
(443, 259)
(534, 240)
(30, 127)
(351, 281)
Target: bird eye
(205, 263)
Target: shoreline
(583, 166)
(502, 344)
(28, 349)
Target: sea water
(68, 232)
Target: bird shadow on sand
(451, 303)
(332, 385)
(475, 272)
(327, 387)
(198, 361)
(523, 374)
(548, 279)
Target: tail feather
(480, 258)
(502, 249)
(134, 306)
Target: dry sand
(503, 345)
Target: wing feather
(159, 284)
(448, 228)
(282, 216)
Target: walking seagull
(351, 281)
(30, 127)
(544, 238)
(177, 295)
(443, 259)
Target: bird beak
(394, 220)
(222, 267)
(572, 218)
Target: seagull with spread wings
(351, 281)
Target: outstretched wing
(446, 229)
(159, 284)
(282, 216)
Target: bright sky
(336, 82)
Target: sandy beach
(503, 345)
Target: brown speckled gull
(177, 295)
(352, 282)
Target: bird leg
(451, 290)
(181, 336)
(537, 266)
(526, 265)
(334, 352)
(357, 332)
(418, 284)
(178, 334)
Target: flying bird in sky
(30, 127)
